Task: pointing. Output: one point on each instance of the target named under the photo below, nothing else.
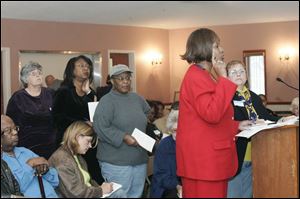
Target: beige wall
(158, 82)
(235, 39)
(152, 82)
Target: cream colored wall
(152, 82)
(235, 39)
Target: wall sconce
(285, 54)
(154, 58)
(156, 61)
(284, 58)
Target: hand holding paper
(130, 140)
(143, 139)
(115, 187)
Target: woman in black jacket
(247, 106)
(71, 104)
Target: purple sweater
(33, 116)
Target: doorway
(54, 62)
(5, 78)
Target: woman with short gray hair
(165, 183)
(295, 106)
(31, 110)
(27, 69)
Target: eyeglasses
(83, 65)
(9, 130)
(120, 78)
(36, 73)
(93, 141)
(235, 73)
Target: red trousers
(203, 189)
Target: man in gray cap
(118, 69)
(118, 113)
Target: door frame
(6, 75)
(131, 59)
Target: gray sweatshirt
(115, 115)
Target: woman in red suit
(205, 147)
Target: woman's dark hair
(152, 104)
(199, 46)
(108, 80)
(69, 71)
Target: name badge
(238, 103)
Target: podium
(275, 162)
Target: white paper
(143, 139)
(179, 194)
(116, 186)
(92, 107)
(257, 128)
(291, 120)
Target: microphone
(280, 80)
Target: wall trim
(6, 75)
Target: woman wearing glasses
(71, 104)
(74, 178)
(31, 110)
(118, 113)
(247, 106)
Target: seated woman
(295, 106)
(264, 102)
(74, 180)
(165, 182)
(247, 106)
(151, 129)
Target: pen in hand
(106, 186)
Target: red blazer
(205, 141)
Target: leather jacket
(9, 185)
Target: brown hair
(199, 46)
(75, 129)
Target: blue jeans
(132, 178)
(241, 185)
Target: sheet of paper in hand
(92, 107)
(116, 186)
(143, 139)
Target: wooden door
(119, 58)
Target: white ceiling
(154, 14)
